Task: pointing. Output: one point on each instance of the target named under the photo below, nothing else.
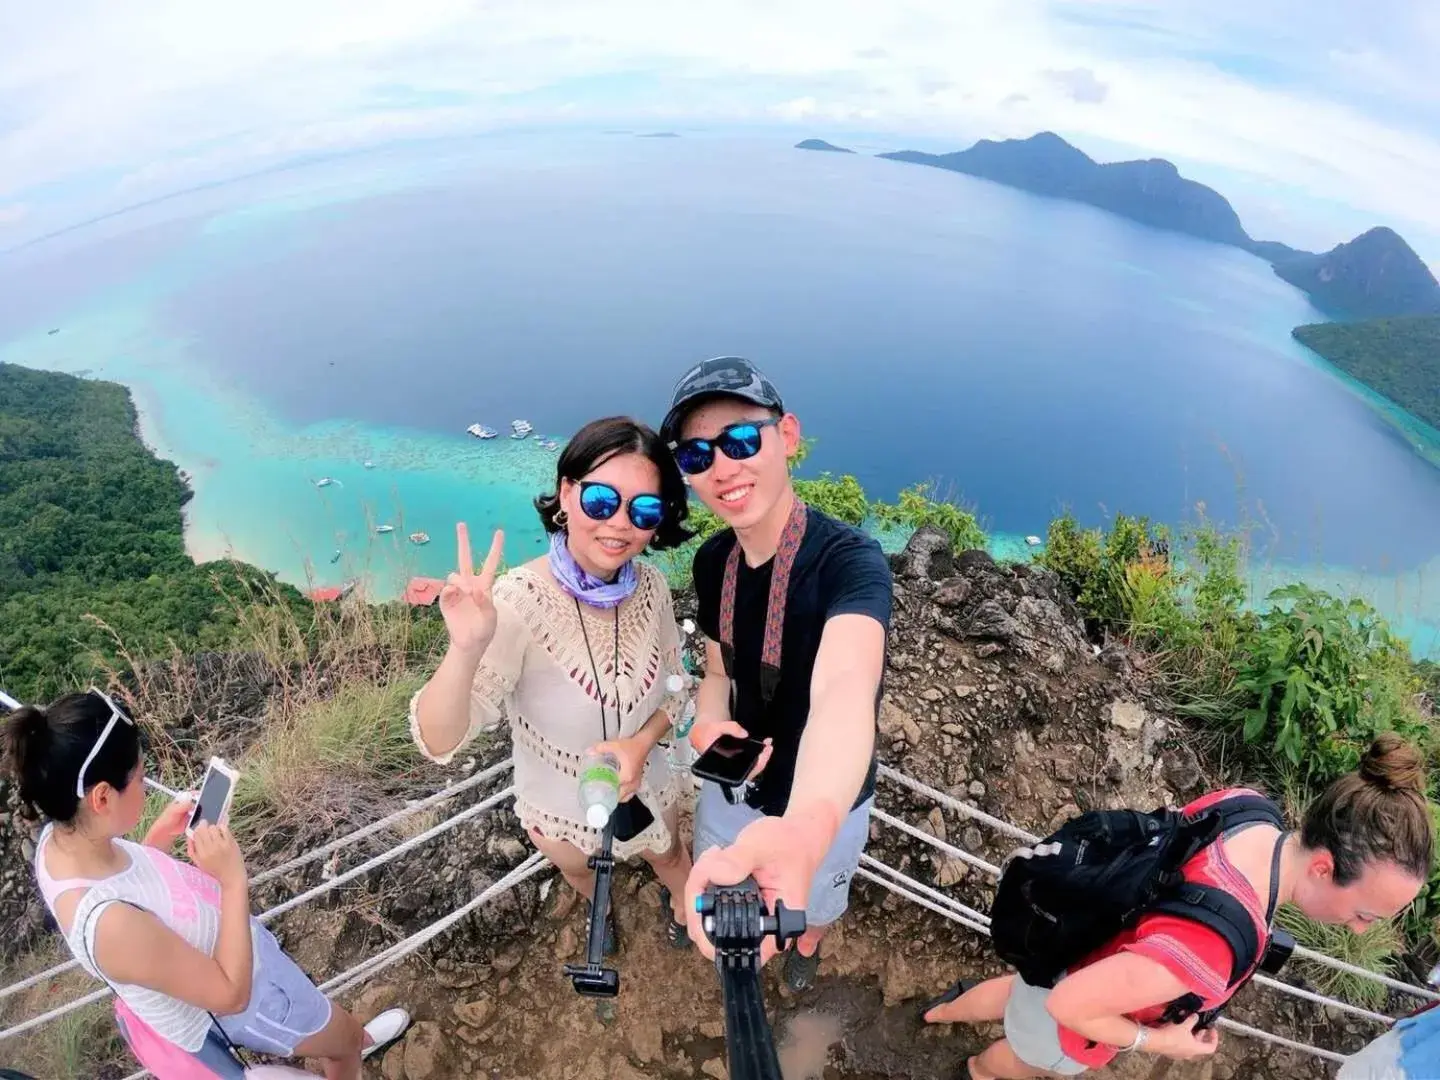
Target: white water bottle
(599, 787)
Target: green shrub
(840, 497)
(1376, 950)
(1325, 675)
(919, 506)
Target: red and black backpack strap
(1216, 909)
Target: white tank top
(185, 899)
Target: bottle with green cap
(599, 787)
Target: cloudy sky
(1318, 118)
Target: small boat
(480, 431)
(384, 528)
(419, 538)
(326, 481)
(1034, 541)
(369, 464)
(521, 427)
(336, 557)
(55, 331)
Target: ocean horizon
(1027, 354)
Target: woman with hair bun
(1361, 855)
(580, 651)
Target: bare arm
(839, 737)
(442, 711)
(133, 946)
(1095, 1000)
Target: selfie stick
(592, 978)
(736, 922)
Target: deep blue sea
(1029, 355)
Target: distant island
(659, 135)
(1400, 358)
(1377, 274)
(821, 144)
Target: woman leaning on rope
(580, 651)
(1362, 854)
(194, 974)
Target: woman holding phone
(193, 973)
(580, 651)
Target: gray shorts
(717, 823)
(1033, 1033)
(285, 1007)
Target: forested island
(1399, 358)
(92, 552)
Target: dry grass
(1375, 950)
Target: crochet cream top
(537, 674)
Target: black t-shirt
(839, 570)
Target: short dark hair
(45, 747)
(599, 441)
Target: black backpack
(1068, 895)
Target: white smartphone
(218, 789)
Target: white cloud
(12, 213)
(1336, 102)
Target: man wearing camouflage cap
(795, 607)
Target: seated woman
(194, 974)
(1361, 856)
(580, 651)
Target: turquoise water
(1028, 354)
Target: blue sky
(1318, 118)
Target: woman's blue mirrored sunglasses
(601, 502)
(735, 441)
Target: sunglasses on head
(601, 502)
(736, 441)
(116, 713)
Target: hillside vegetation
(1399, 358)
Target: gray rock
(1127, 715)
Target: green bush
(840, 497)
(919, 506)
(1325, 676)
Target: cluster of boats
(519, 430)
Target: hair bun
(1393, 764)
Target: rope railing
(1014, 831)
(306, 857)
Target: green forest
(1399, 358)
(91, 545)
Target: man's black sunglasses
(735, 441)
(601, 502)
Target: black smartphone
(631, 818)
(729, 760)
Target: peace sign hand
(466, 601)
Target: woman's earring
(561, 519)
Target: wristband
(1142, 1033)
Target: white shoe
(385, 1029)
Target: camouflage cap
(720, 376)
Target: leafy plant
(919, 506)
(841, 497)
(1326, 675)
(1376, 950)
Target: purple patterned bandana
(583, 585)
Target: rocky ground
(994, 695)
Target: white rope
(280, 909)
(954, 916)
(955, 804)
(308, 857)
(925, 890)
(383, 959)
(366, 968)
(935, 842)
(385, 856)
(1321, 999)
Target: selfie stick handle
(735, 920)
(592, 978)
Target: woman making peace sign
(579, 649)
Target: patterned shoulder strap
(774, 608)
